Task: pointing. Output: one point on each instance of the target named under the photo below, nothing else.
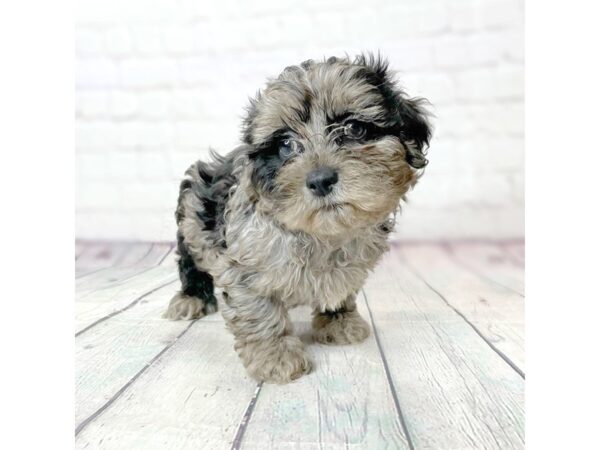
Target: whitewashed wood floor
(443, 369)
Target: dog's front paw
(275, 361)
(185, 307)
(339, 328)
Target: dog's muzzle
(321, 181)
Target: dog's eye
(355, 129)
(289, 147)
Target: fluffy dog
(301, 211)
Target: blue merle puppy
(301, 212)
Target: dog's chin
(331, 220)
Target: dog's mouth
(334, 207)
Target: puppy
(301, 211)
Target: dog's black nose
(321, 181)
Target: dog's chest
(299, 269)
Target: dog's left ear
(414, 129)
(410, 115)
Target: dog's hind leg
(196, 298)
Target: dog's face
(334, 145)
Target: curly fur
(248, 224)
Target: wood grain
(116, 349)
(91, 307)
(345, 402)
(495, 311)
(193, 396)
(515, 251)
(454, 390)
(490, 262)
(431, 377)
(98, 256)
(139, 258)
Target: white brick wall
(159, 82)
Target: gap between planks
(479, 333)
(237, 442)
(120, 392)
(247, 417)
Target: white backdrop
(158, 82)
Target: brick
(95, 73)
(501, 13)
(152, 166)
(158, 225)
(188, 103)
(118, 41)
(451, 52)
(463, 15)
(99, 195)
(122, 165)
(178, 39)
(459, 223)
(141, 134)
(154, 104)
(149, 196)
(438, 88)
(123, 104)
(159, 84)
(492, 83)
(464, 190)
(145, 73)
(91, 104)
(198, 70)
(410, 55)
(88, 42)
(147, 40)
(97, 135)
(92, 166)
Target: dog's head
(334, 145)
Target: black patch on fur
(212, 190)
(265, 169)
(214, 193)
(304, 113)
(266, 161)
(194, 282)
(335, 313)
(409, 114)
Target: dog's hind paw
(185, 307)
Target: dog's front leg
(342, 326)
(263, 337)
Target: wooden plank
(454, 390)
(138, 259)
(489, 261)
(171, 257)
(79, 249)
(515, 252)
(345, 402)
(99, 256)
(97, 305)
(119, 270)
(192, 396)
(495, 311)
(113, 352)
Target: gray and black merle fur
(301, 212)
